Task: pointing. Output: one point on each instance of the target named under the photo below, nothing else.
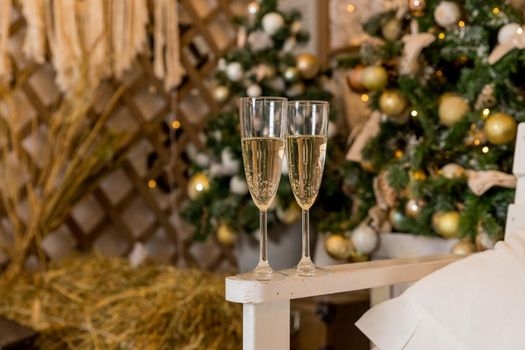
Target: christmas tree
(442, 78)
(262, 64)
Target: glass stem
(306, 234)
(263, 244)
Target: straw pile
(93, 302)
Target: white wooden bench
(266, 305)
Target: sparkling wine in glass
(306, 151)
(263, 122)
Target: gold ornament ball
(289, 215)
(417, 7)
(354, 78)
(452, 108)
(417, 175)
(198, 184)
(397, 219)
(452, 171)
(375, 77)
(359, 257)
(463, 248)
(367, 165)
(291, 74)
(226, 235)
(308, 65)
(392, 103)
(221, 93)
(391, 30)
(500, 128)
(413, 207)
(446, 223)
(338, 246)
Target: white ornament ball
(202, 160)
(364, 239)
(254, 90)
(230, 165)
(296, 89)
(238, 186)
(277, 84)
(507, 31)
(447, 14)
(272, 22)
(217, 135)
(260, 40)
(234, 71)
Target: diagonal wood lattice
(126, 212)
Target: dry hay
(93, 302)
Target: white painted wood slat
(347, 277)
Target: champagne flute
(263, 121)
(306, 150)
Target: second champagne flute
(306, 150)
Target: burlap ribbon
(480, 182)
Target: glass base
(306, 268)
(262, 272)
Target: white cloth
(476, 303)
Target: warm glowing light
(364, 97)
(398, 153)
(413, 113)
(477, 142)
(350, 8)
(199, 187)
(415, 3)
(461, 24)
(441, 35)
(439, 73)
(486, 112)
(485, 149)
(519, 31)
(175, 124)
(152, 183)
(495, 10)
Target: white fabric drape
(100, 38)
(5, 21)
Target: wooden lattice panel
(123, 215)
